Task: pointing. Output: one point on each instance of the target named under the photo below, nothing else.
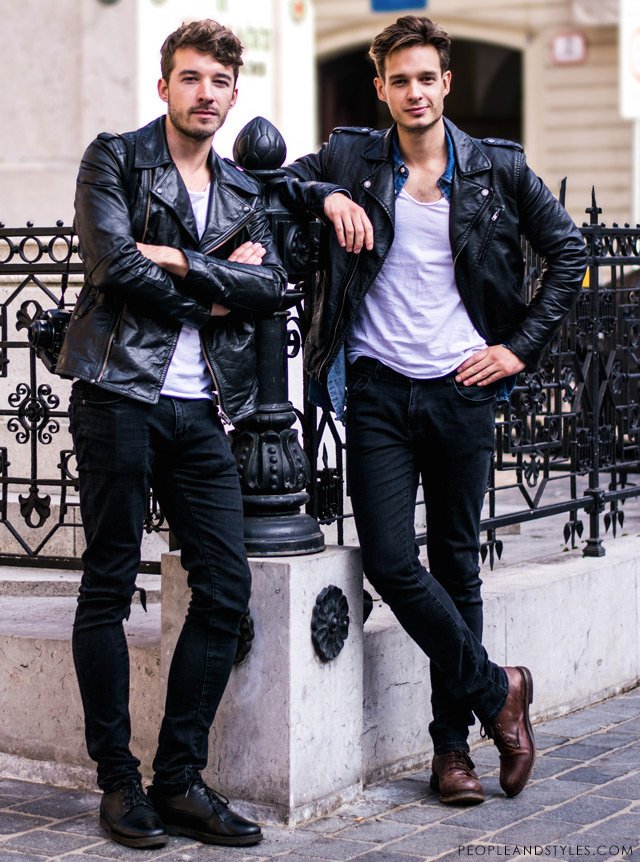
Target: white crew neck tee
(188, 375)
(412, 318)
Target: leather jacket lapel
(228, 207)
(471, 191)
(169, 187)
(378, 184)
(152, 151)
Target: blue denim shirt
(401, 171)
(337, 376)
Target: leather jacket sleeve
(240, 286)
(553, 235)
(111, 258)
(303, 185)
(115, 267)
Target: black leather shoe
(203, 814)
(130, 819)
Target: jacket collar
(152, 151)
(470, 159)
(151, 148)
(381, 147)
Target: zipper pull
(223, 416)
(496, 214)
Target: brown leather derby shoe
(454, 778)
(512, 734)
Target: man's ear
(163, 90)
(378, 83)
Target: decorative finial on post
(260, 147)
(594, 210)
(563, 192)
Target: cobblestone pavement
(583, 800)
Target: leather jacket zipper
(234, 230)
(221, 412)
(110, 345)
(146, 216)
(469, 305)
(472, 225)
(350, 276)
(495, 217)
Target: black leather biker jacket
(495, 200)
(127, 319)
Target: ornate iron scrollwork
(34, 413)
(534, 396)
(565, 424)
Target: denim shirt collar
(401, 171)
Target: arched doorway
(486, 96)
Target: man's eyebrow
(226, 75)
(423, 73)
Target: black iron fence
(568, 441)
(39, 511)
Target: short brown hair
(408, 31)
(207, 36)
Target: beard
(194, 130)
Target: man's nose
(205, 91)
(414, 90)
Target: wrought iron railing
(39, 510)
(569, 437)
(568, 441)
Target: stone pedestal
(287, 740)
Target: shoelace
(496, 733)
(217, 800)
(461, 761)
(132, 795)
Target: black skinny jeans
(179, 446)
(399, 429)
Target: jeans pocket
(476, 394)
(357, 381)
(90, 395)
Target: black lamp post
(274, 469)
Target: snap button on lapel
(484, 192)
(367, 184)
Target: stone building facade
(544, 71)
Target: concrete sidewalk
(583, 800)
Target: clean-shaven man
(419, 317)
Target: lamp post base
(282, 535)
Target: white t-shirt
(188, 375)
(412, 318)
